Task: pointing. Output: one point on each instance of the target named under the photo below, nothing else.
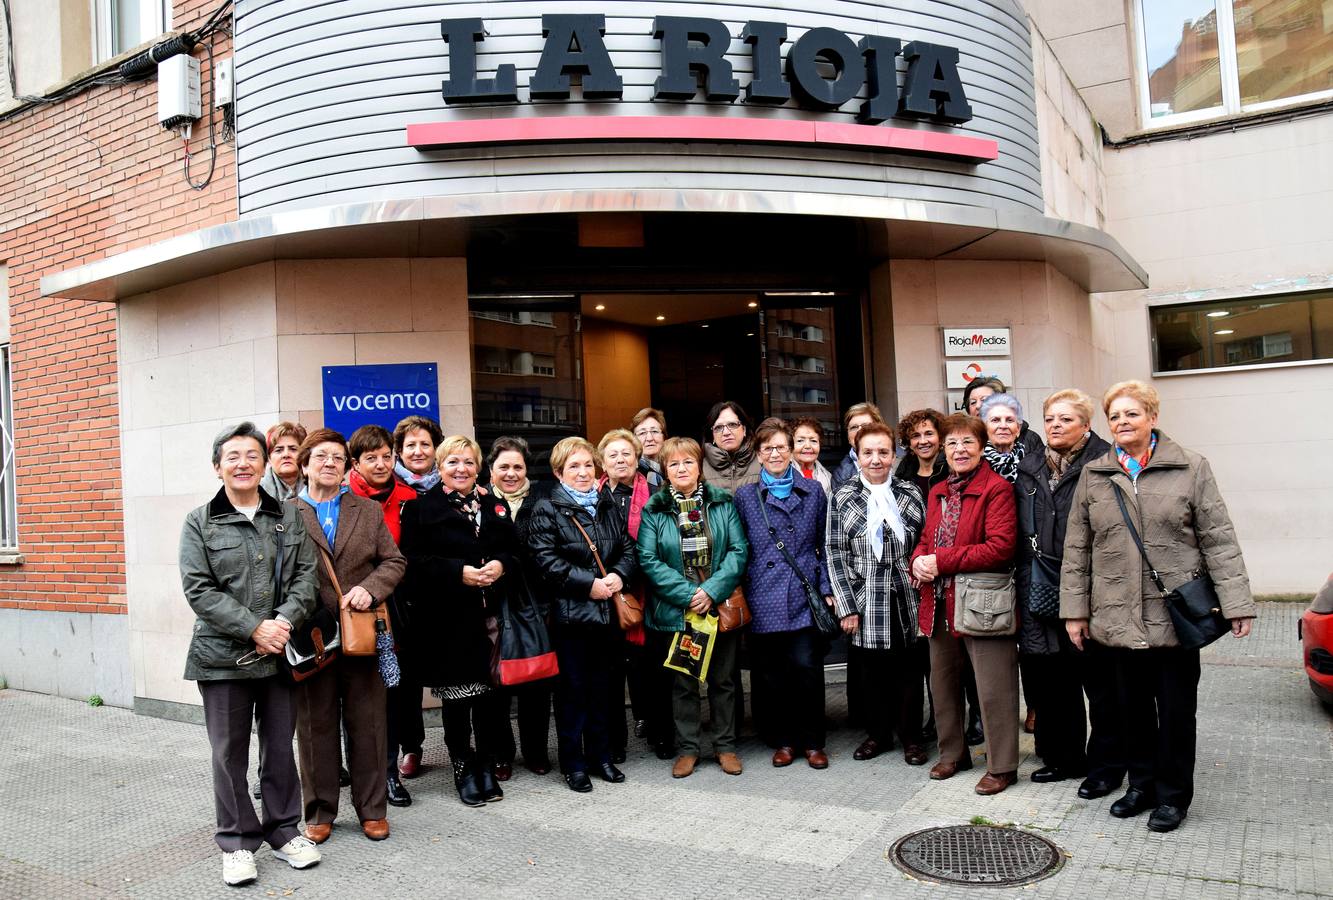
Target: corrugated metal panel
(325, 92)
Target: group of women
(902, 555)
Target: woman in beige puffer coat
(1108, 596)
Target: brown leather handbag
(629, 609)
(733, 613)
(356, 627)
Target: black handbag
(826, 621)
(1043, 597)
(1195, 611)
(314, 646)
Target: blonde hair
(619, 434)
(453, 444)
(567, 447)
(682, 446)
(645, 414)
(1137, 390)
(865, 408)
(1081, 402)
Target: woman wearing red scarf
(971, 526)
(371, 476)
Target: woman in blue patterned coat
(875, 524)
(788, 651)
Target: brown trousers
(995, 661)
(349, 692)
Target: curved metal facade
(325, 92)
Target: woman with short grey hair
(1008, 436)
(245, 612)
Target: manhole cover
(980, 855)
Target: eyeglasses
(774, 451)
(322, 457)
(857, 427)
(648, 432)
(955, 443)
(727, 427)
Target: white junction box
(223, 95)
(178, 91)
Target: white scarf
(882, 508)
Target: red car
(1316, 633)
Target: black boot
(974, 735)
(468, 791)
(483, 779)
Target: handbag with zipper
(629, 610)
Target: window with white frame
(1251, 331)
(120, 25)
(1200, 59)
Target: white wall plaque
(978, 342)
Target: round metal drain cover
(977, 855)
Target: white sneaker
(299, 853)
(238, 867)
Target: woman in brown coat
(351, 530)
(1107, 594)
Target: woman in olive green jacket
(1109, 599)
(692, 551)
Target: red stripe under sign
(439, 135)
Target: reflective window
(1182, 55)
(1254, 331)
(801, 370)
(1206, 58)
(1284, 48)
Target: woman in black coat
(586, 630)
(462, 563)
(1057, 672)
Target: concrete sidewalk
(103, 803)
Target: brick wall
(81, 180)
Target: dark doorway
(697, 364)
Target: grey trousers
(686, 707)
(230, 707)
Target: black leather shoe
(398, 795)
(484, 778)
(537, 764)
(1166, 818)
(974, 735)
(344, 777)
(1132, 804)
(610, 773)
(1047, 774)
(665, 750)
(618, 755)
(466, 784)
(579, 781)
(1092, 789)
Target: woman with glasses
(349, 531)
(788, 650)
(649, 426)
(245, 614)
(729, 459)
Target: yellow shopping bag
(692, 648)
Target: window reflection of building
(526, 376)
(800, 369)
(1239, 333)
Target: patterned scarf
(418, 483)
(652, 471)
(778, 487)
(467, 505)
(1133, 465)
(515, 500)
(694, 549)
(947, 531)
(586, 499)
(1004, 464)
(1059, 461)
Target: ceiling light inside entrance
(1219, 313)
(798, 294)
(600, 306)
(1225, 331)
(752, 304)
(661, 318)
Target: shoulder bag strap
(591, 546)
(1134, 533)
(328, 567)
(782, 546)
(278, 532)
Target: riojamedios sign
(694, 48)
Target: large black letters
(463, 86)
(838, 49)
(881, 78)
(559, 60)
(933, 89)
(765, 40)
(680, 60)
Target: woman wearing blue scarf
(563, 528)
(788, 651)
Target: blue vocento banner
(379, 395)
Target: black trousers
(584, 652)
(626, 663)
(230, 708)
(789, 671)
(1107, 755)
(657, 680)
(534, 721)
(1053, 688)
(404, 727)
(892, 691)
(1159, 691)
(486, 716)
